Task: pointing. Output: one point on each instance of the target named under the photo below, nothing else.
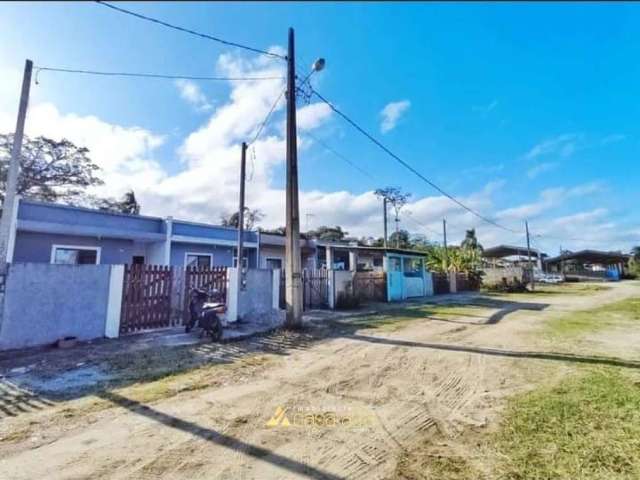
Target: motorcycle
(204, 314)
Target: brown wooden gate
(370, 286)
(146, 298)
(213, 279)
(315, 288)
(440, 283)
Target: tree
(51, 171)
(251, 219)
(470, 240)
(397, 199)
(400, 239)
(328, 234)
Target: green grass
(543, 290)
(586, 428)
(396, 319)
(625, 312)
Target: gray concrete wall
(45, 302)
(494, 276)
(255, 302)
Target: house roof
(592, 256)
(399, 251)
(501, 251)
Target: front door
(395, 278)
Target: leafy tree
(328, 234)
(51, 170)
(470, 240)
(251, 218)
(453, 259)
(397, 199)
(400, 239)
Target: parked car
(542, 277)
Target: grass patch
(620, 313)
(544, 290)
(392, 320)
(586, 428)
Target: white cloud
(485, 109)
(391, 113)
(206, 184)
(190, 92)
(536, 170)
(613, 138)
(563, 145)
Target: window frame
(280, 259)
(198, 254)
(57, 246)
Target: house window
(198, 260)
(137, 260)
(274, 263)
(72, 255)
(245, 262)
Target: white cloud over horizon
(391, 114)
(206, 184)
(192, 94)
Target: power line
(149, 75)
(191, 32)
(342, 157)
(266, 119)
(408, 166)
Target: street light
(318, 65)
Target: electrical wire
(342, 157)
(191, 32)
(149, 75)
(266, 119)
(408, 166)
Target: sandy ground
(347, 405)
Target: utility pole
(239, 255)
(384, 215)
(526, 226)
(14, 168)
(293, 276)
(444, 236)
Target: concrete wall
(256, 300)
(36, 247)
(45, 302)
(494, 276)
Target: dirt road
(349, 405)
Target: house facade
(53, 233)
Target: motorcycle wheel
(216, 332)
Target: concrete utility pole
(293, 276)
(240, 256)
(444, 236)
(384, 216)
(14, 168)
(526, 226)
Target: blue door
(395, 279)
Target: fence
(213, 279)
(146, 299)
(315, 288)
(440, 283)
(370, 286)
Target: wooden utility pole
(446, 251)
(384, 216)
(526, 226)
(293, 277)
(239, 255)
(11, 188)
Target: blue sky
(522, 110)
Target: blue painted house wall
(120, 237)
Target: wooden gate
(146, 298)
(315, 288)
(440, 283)
(370, 286)
(213, 279)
